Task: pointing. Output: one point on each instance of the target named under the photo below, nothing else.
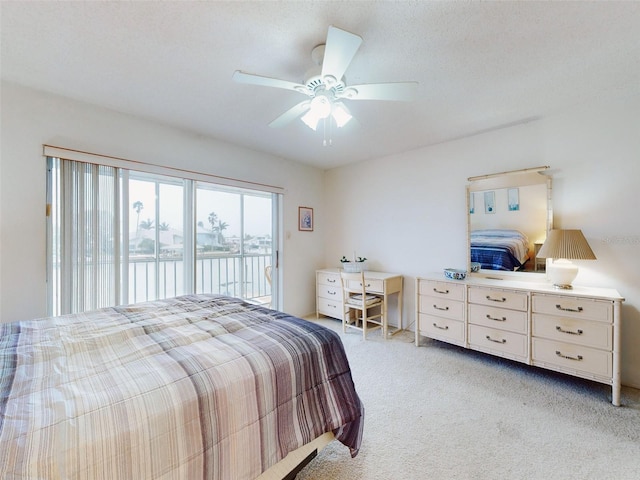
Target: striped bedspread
(196, 387)
(499, 249)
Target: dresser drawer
(500, 318)
(373, 286)
(331, 308)
(326, 278)
(499, 298)
(569, 357)
(498, 341)
(570, 330)
(445, 329)
(442, 307)
(599, 310)
(329, 291)
(442, 289)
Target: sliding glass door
(234, 233)
(119, 236)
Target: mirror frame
(510, 179)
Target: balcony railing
(235, 275)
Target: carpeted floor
(443, 412)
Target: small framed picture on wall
(305, 219)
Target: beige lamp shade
(564, 245)
(569, 244)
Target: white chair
(361, 308)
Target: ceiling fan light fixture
(310, 119)
(321, 106)
(340, 114)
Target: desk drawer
(372, 286)
(498, 298)
(330, 292)
(440, 328)
(599, 310)
(568, 357)
(498, 341)
(442, 307)
(325, 278)
(330, 308)
(442, 289)
(500, 318)
(570, 330)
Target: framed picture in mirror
(490, 202)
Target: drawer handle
(496, 341)
(568, 357)
(577, 310)
(503, 319)
(440, 308)
(331, 280)
(444, 292)
(501, 300)
(367, 285)
(560, 329)
(446, 327)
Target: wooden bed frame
(292, 464)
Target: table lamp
(563, 246)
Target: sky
(226, 205)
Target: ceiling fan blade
(250, 78)
(401, 91)
(339, 50)
(291, 114)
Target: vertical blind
(85, 237)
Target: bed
(499, 249)
(198, 386)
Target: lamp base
(561, 273)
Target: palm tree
(147, 224)
(137, 206)
(163, 227)
(213, 218)
(221, 227)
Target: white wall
(31, 119)
(407, 213)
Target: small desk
(329, 292)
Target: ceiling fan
(325, 84)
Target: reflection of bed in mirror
(499, 249)
(509, 215)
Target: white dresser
(571, 331)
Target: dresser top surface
(537, 287)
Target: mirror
(508, 217)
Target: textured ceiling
(481, 65)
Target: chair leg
(385, 327)
(364, 324)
